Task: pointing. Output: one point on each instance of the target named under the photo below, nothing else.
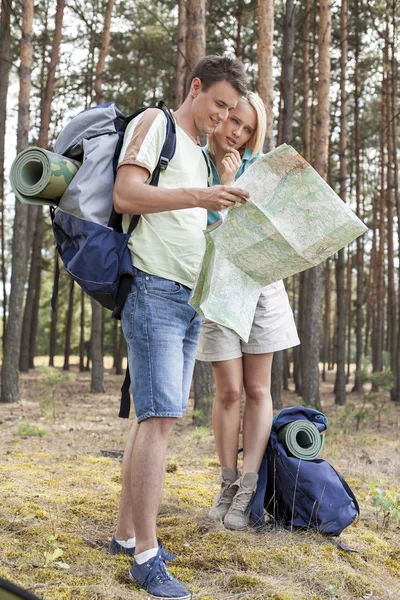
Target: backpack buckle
(163, 163)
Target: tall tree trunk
(288, 72)
(276, 380)
(53, 323)
(10, 374)
(96, 352)
(82, 334)
(287, 128)
(105, 43)
(239, 20)
(68, 328)
(31, 313)
(5, 45)
(265, 53)
(181, 62)
(377, 363)
(196, 49)
(310, 383)
(203, 384)
(360, 246)
(392, 300)
(196, 31)
(349, 311)
(340, 382)
(327, 319)
(306, 116)
(396, 187)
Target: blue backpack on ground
(301, 494)
(87, 230)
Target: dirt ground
(60, 453)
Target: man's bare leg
(125, 527)
(147, 478)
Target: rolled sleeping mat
(301, 439)
(38, 176)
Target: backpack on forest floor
(301, 494)
(87, 230)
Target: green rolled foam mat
(301, 439)
(38, 176)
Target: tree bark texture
(288, 73)
(96, 352)
(196, 31)
(310, 383)
(340, 383)
(203, 384)
(10, 374)
(181, 61)
(265, 53)
(5, 45)
(105, 43)
(68, 328)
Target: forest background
(328, 74)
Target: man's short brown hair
(212, 69)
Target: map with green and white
(292, 221)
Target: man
(160, 327)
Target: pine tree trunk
(239, 20)
(340, 382)
(5, 46)
(310, 364)
(105, 43)
(10, 374)
(380, 255)
(82, 334)
(392, 300)
(204, 391)
(276, 380)
(327, 319)
(288, 73)
(396, 191)
(360, 247)
(196, 31)
(53, 324)
(349, 311)
(96, 353)
(181, 61)
(31, 313)
(306, 116)
(68, 329)
(120, 352)
(265, 53)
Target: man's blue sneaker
(116, 548)
(154, 577)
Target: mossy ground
(59, 492)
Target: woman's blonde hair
(256, 141)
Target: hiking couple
(162, 329)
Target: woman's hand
(231, 163)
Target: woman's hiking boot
(225, 495)
(238, 515)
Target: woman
(235, 144)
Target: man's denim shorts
(161, 331)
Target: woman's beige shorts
(273, 329)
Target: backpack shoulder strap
(167, 152)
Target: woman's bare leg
(257, 418)
(228, 375)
